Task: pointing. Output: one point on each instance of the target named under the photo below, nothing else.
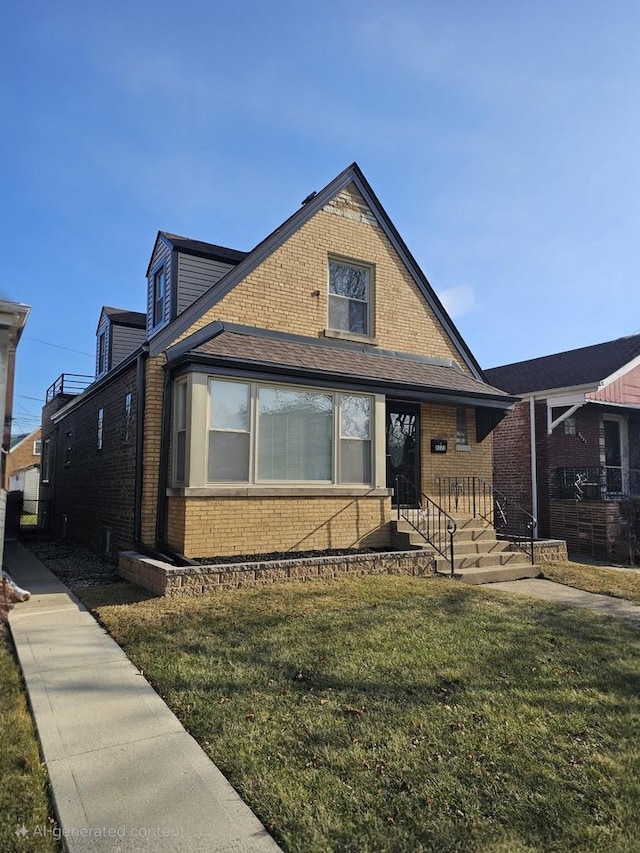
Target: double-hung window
(349, 297)
(181, 432)
(355, 439)
(229, 431)
(102, 353)
(158, 296)
(100, 429)
(461, 426)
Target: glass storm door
(403, 443)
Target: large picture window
(267, 434)
(349, 297)
(295, 435)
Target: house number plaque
(438, 445)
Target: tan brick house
(274, 396)
(570, 450)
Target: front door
(614, 454)
(403, 444)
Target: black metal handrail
(597, 483)
(428, 519)
(480, 499)
(69, 383)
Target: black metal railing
(68, 383)
(424, 515)
(479, 499)
(597, 483)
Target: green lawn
(595, 579)
(401, 714)
(23, 779)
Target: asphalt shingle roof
(357, 363)
(210, 250)
(584, 366)
(122, 317)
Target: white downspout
(534, 461)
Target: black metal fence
(596, 483)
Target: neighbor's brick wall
(512, 456)
(95, 489)
(22, 456)
(220, 526)
(279, 294)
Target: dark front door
(403, 443)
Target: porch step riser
(504, 573)
(486, 561)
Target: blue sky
(502, 138)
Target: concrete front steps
(479, 556)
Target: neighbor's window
(181, 431)
(570, 426)
(355, 439)
(461, 426)
(349, 297)
(37, 447)
(295, 435)
(229, 431)
(100, 427)
(158, 296)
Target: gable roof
(585, 366)
(122, 317)
(199, 248)
(312, 205)
(256, 351)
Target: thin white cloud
(458, 301)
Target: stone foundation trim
(174, 581)
(549, 551)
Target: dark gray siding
(195, 276)
(124, 341)
(162, 253)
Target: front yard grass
(401, 714)
(599, 579)
(23, 789)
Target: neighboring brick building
(22, 472)
(272, 397)
(578, 469)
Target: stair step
(496, 574)
(483, 560)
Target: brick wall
(22, 455)
(512, 456)
(220, 526)
(94, 489)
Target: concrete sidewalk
(551, 591)
(124, 773)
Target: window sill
(349, 336)
(465, 448)
(253, 491)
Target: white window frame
(369, 270)
(100, 429)
(157, 301)
(37, 447)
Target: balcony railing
(597, 483)
(69, 383)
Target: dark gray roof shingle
(208, 250)
(122, 317)
(584, 366)
(324, 359)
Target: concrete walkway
(124, 773)
(551, 591)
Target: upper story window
(349, 298)
(462, 439)
(159, 282)
(37, 447)
(102, 353)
